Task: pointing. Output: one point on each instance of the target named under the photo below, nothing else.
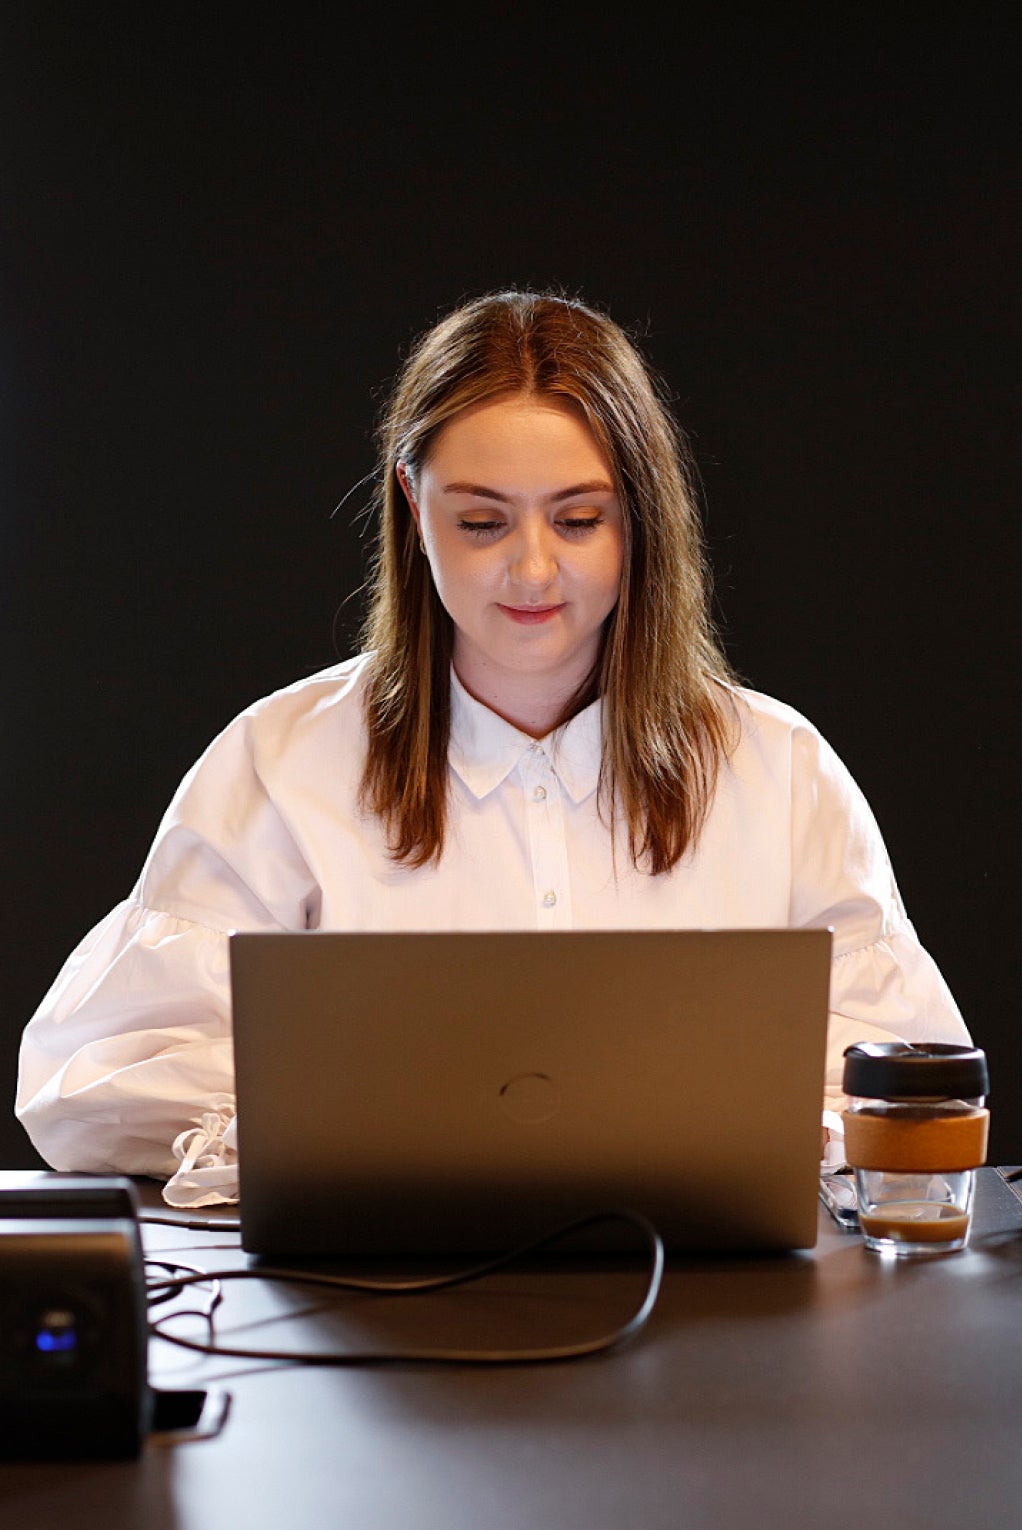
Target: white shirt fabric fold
(127, 1064)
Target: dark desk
(827, 1389)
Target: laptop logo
(530, 1098)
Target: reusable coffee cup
(915, 1133)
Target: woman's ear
(404, 478)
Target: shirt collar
(484, 749)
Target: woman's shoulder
(338, 688)
(318, 715)
(781, 736)
(760, 715)
(782, 740)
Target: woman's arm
(127, 1064)
(131, 1046)
(884, 984)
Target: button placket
(545, 813)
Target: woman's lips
(530, 616)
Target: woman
(541, 733)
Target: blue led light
(53, 1343)
(56, 1336)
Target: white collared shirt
(127, 1064)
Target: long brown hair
(667, 718)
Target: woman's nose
(534, 560)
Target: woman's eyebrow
(594, 486)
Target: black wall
(219, 235)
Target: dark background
(219, 236)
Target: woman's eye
(480, 528)
(567, 525)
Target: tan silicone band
(907, 1145)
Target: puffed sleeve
(127, 1064)
(884, 985)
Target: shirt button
(539, 795)
(549, 899)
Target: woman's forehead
(519, 436)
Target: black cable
(176, 1283)
(420, 1285)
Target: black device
(73, 1336)
(838, 1194)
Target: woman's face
(524, 534)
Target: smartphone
(837, 1192)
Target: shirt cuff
(834, 1149)
(208, 1155)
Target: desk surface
(823, 1389)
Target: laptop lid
(458, 1092)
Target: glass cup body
(915, 1168)
(912, 1214)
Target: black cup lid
(879, 1070)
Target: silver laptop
(408, 1094)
